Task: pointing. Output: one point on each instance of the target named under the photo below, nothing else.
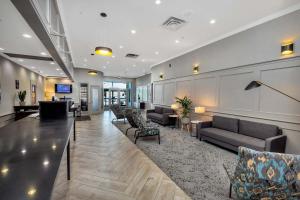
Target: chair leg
(135, 132)
(127, 130)
(136, 138)
(230, 190)
(124, 121)
(158, 138)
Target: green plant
(186, 105)
(22, 95)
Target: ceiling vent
(131, 55)
(173, 23)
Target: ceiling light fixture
(92, 72)
(21, 60)
(43, 54)
(104, 67)
(32, 67)
(52, 63)
(143, 60)
(133, 31)
(156, 52)
(177, 41)
(157, 2)
(57, 69)
(25, 35)
(113, 56)
(61, 73)
(103, 51)
(212, 21)
(121, 47)
(1, 49)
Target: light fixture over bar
(92, 72)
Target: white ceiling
(12, 28)
(86, 29)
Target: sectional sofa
(160, 115)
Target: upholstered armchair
(266, 175)
(118, 112)
(145, 129)
(129, 117)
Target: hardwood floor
(107, 165)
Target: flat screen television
(63, 88)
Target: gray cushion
(229, 124)
(258, 130)
(233, 138)
(158, 110)
(167, 110)
(155, 116)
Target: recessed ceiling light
(157, 2)
(133, 31)
(57, 69)
(121, 47)
(21, 60)
(32, 67)
(177, 41)
(46, 163)
(156, 52)
(113, 56)
(52, 63)
(43, 54)
(23, 151)
(104, 67)
(143, 60)
(212, 21)
(1, 49)
(61, 73)
(25, 35)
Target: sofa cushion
(167, 110)
(155, 116)
(257, 130)
(233, 138)
(158, 110)
(229, 124)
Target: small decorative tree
(22, 96)
(186, 107)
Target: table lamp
(199, 109)
(174, 106)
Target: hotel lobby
(149, 100)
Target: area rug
(195, 166)
(83, 118)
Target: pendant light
(101, 50)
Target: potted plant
(186, 107)
(22, 96)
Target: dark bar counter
(31, 151)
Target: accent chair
(145, 129)
(118, 112)
(266, 175)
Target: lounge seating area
(150, 100)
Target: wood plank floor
(107, 165)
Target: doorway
(95, 97)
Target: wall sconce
(161, 76)
(287, 49)
(196, 69)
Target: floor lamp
(255, 84)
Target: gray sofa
(232, 133)
(160, 115)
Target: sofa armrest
(276, 144)
(150, 111)
(201, 125)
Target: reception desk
(31, 151)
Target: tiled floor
(107, 165)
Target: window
(119, 85)
(107, 84)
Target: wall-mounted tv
(63, 88)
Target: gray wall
(9, 72)
(228, 65)
(143, 80)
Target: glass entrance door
(114, 97)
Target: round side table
(175, 117)
(194, 124)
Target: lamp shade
(200, 109)
(174, 106)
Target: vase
(22, 103)
(185, 120)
